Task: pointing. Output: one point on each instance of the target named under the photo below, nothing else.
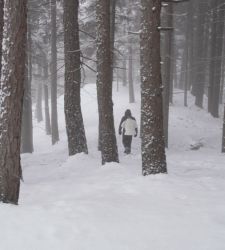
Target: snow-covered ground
(77, 204)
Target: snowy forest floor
(75, 203)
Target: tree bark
(54, 112)
(38, 111)
(12, 85)
(130, 61)
(27, 122)
(46, 96)
(104, 83)
(1, 31)
(74, 120)
(217, 58)
(153, 145)
(223, 137)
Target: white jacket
(129, 125)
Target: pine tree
(54, 113)
(104, 83)
(12, 85)
(74, 120)
(1, 31)
(153, 146)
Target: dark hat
(127, 113)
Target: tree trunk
(130, 61)
(218, 59)
(27, 123)
(1, 31)
(12, 85)
(200, 54)
(223, 137)
(104, 83)
(74, 120)
(46, 96)
(153, 146)
(130, 73)
(167, 44)
(39, 114)
(125, 60)
(54, 112)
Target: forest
(112, 124)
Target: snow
(71, 203)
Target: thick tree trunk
(54, 112)
(1, 31)
(27, 123)
(167, 68)
(12, 85)
(200, 54)
(153, 146)
(74, 120)
(104, 83)
(217, 59)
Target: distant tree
(74, 120)
(153, 146)
(54, 112)
(39, 92)
(223, 137)
(12, 86)
(46, 94)
(104, 83)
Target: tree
(223, 137)
(27, 123)
(74, 120)
(153, 146)
(12, 85)
(1, 31)
(54, 113)
(104, 83)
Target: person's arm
(136, 129)
(120, 126)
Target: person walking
(128, 128)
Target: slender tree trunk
(223, 137)
(124, 72)
(27, 123)
(74, 120)
(104, 83)
(39, 114)
(124, 61)
(54, 112)
(46, 96)
(130, 61)
(153, 146)
(130, 74)
(12, 85)
(212, 54)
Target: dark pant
(127, 139)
